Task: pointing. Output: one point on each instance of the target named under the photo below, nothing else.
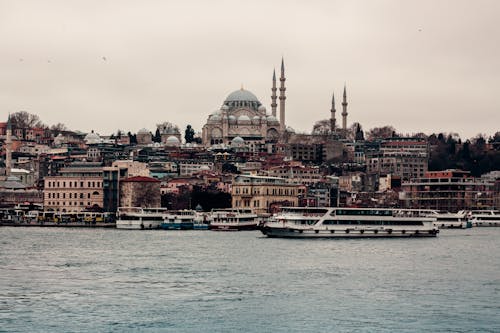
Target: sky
(421, 66)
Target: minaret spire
(8, 148)
(344, 111)
(273, 96)
(282, 97)
(332, 116)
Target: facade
(450, 190)
(77, 188)
(140, 192)
(297, 174)
(403, 157)
(259, 193)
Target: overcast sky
(421, 66)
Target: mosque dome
(232, 119)
(224, 107)
(214, 118)
(241, 95)
(243, 119)
(204, 168)
(237, 142)
(173, 141)
(256, 120)
(262, 109)
(92, 138)
(272, 120)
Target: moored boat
(179, 220)
(137, 218)
(331, 222)
(233, 219)
(484, 218)
(447, 220)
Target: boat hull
(178, 226)
(345, 233)
(137, 225)
(232, 227)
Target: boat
(484, 218)
(233, 219)
(139, 218)
(447, 220)
(202, 221)
(179, 220)
(334, 222)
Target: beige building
(259, 193)
(77, 188)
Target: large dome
(241, 95)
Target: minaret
(344, 112)
(282, 97)
(273, 96)
(8, 148)
(332, 117)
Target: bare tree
(379, 133)
(23, 119)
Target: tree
(380, 133)
(58, 128)
(168, 128)
(157, 136)
(189, 134)
(23, 119)
(322, 127)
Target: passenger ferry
(233, 219)
(202, 221)
(179, 220)
(312, 222)
(484, 218)
(450, 220)
(139, 218)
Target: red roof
(141, 179)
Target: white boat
(450, 220)
(202, 221)
(179, 220)
(331, 222)
(139, 218)
(233, 219)
(484, 218)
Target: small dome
(272, 120)
(224, 107)
(216, 113)
(256, 120)
(262, 109)
(232, 119)
(243, 119)
(214, 118)
(237, 142)
(204, 168)
(92, 138)
(173, 141)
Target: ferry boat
(484, 218)
(179, 220)
(139, 218)
(202, 221)
(333, 222)
(450, 220)
(233, 219)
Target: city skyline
(420, 67)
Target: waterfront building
(190, 167)
(450, 190)
(140, 191)
(260, 193)
(78, 187)
(404, 157)
(295, 173)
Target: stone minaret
(282, 97)
(273, 96)
(344, 112)
(332, 117)
(8, 148)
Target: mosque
(242, 120)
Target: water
(67, 280)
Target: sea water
(101, 280)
